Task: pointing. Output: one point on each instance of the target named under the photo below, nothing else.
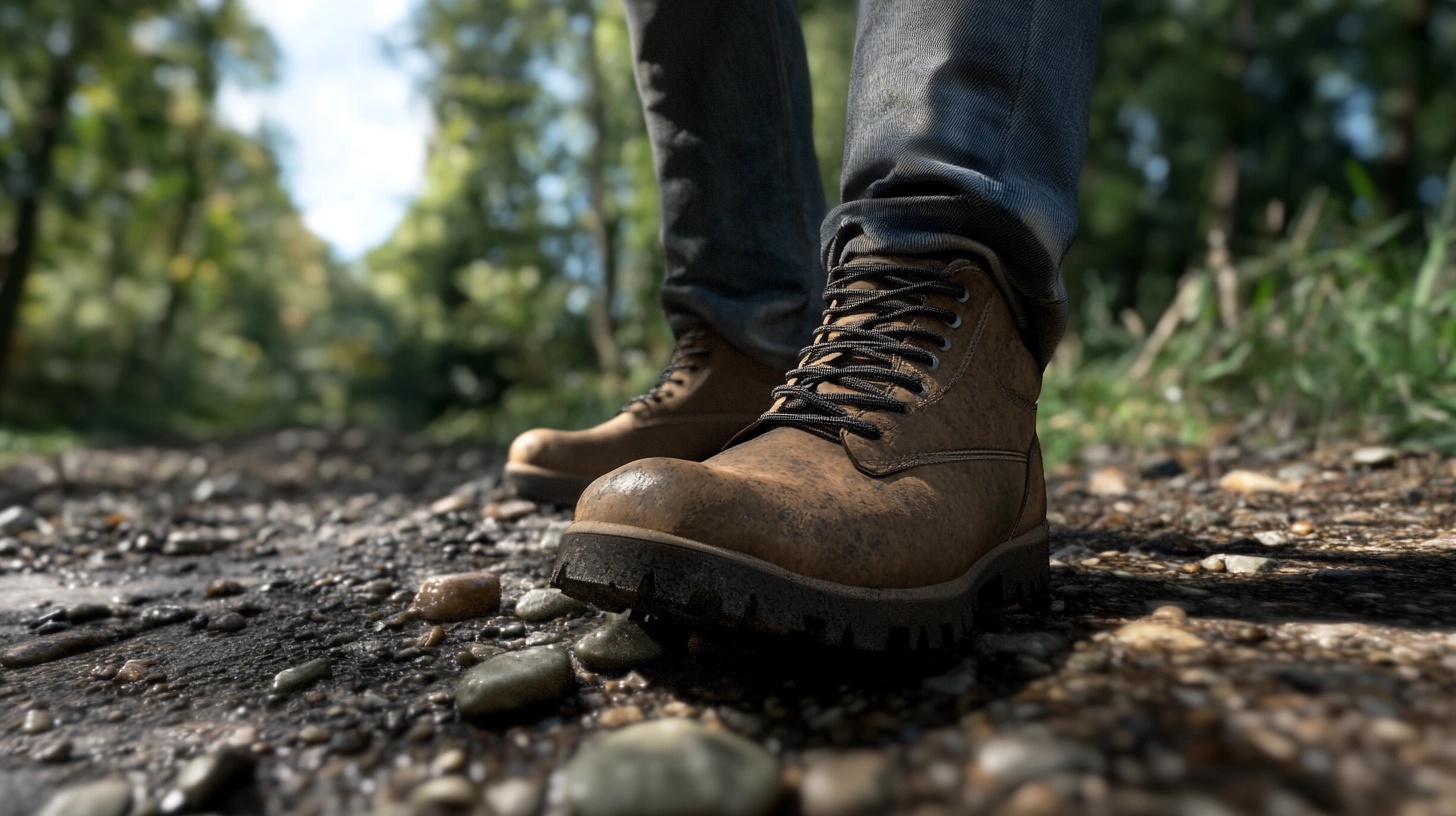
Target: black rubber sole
(543, 486)
(617, 567)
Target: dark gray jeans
(966, 132)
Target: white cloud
(356, 128)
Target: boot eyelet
(945, 344)
(934, 362)
(956, 323)
(964, 296)
(923, 392)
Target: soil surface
(1228, 631)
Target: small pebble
(513, 681)
(208, 777)
(291, 680)
(860, 783)
(514, 797)
(56, 752)
(106, 797)
(224, 588)
(134, 670)
(620, 716)
(53, 647)
(314, 734)
(1248, 482)
(672, 767)
(455, 794)
(1247, 564)
(616, 647)
(37, 721)
(540, 605)
(1147, 634)
(457, 597)
(228, 622)
(83, 613)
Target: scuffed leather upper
(951, 478)
(724, 392)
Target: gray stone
(107, 797)
(291, 680)
(228, 622)
(205, 777)
(1272, 538)
(1375, 455)
(1247, 564)
(547, 604)
(852, 784)
(82, 613)
(514, 680)
(616, 647)
(37, 721)
(17, 519)
(1013, 760)
(670, 767)
(53, 647)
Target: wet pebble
(671, 767)
(164, 615)
(134, 670)
(618, 646)
(228, 622)
(860, 783)
(293, 679)
(106, 797)
(17, 519)
(457, 597)
(224, 588)
(513, 681)
(53, 647)
(86, 612)
(53, 627)
(207, 777)
(37, 721)
(55, 752)
(540, 605)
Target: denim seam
(1017, 90)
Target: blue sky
(355, 127)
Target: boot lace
(860, 356)
(684, 357)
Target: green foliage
(1262, 245)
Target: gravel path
(234, 628)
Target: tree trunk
(39, 166)
(1398, 183)
(601, 221)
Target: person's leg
(725, 91)
(968, 126)
(897, 481)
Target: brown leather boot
(708, 392)
(894, 486)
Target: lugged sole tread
(704, 586)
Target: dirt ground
(1229, 631)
